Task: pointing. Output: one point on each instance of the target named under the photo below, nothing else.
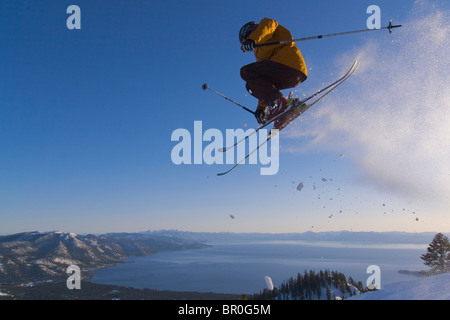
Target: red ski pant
(265, 79)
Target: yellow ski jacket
(269, 30)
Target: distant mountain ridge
(365, 237)
(45, 256)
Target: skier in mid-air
(277, 67)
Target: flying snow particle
(231, 216)
(300, 186)
(324, 180)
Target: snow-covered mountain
(37, 256)
(426, 288)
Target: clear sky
(86, 118)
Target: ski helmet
(246, 30)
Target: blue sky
(86, 118)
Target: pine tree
(438, 254)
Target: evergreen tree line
(313, 286)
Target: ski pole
(206, 87)
(389, 27)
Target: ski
(298, 108)
(294, 105)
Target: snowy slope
(429, 288)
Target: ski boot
(284, 105)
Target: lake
(240, 267)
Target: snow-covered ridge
(426, 288)
(44, 255)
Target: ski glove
(260, 114)
(248, 45)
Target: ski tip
(227, 172)
(205, 86)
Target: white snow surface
(427, 288)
